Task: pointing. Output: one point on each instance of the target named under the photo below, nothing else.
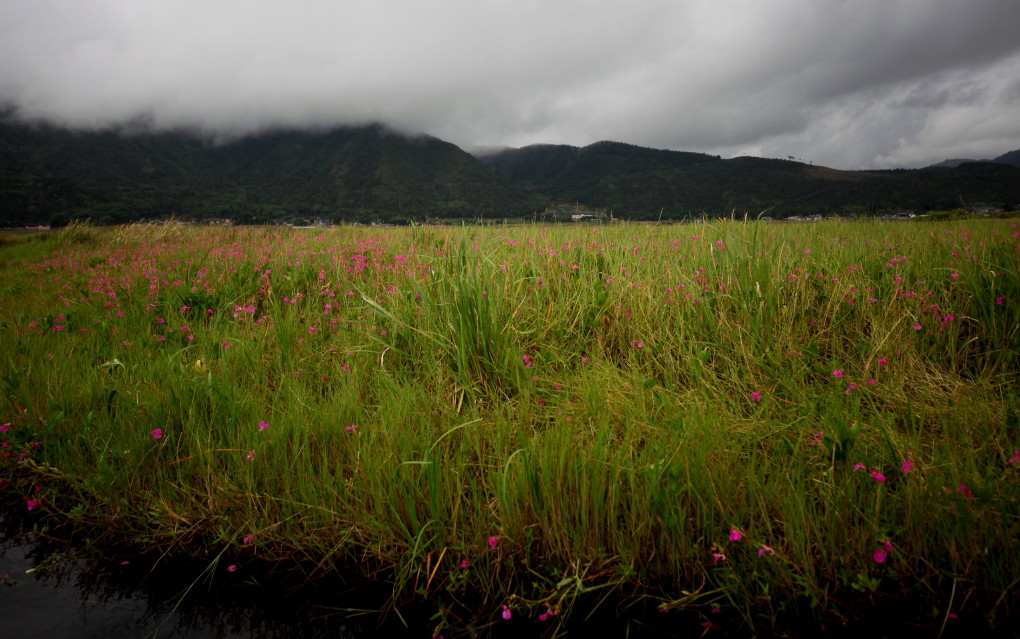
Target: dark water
(54, 589)
(48, 589)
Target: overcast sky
(842, 83)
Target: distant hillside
(1012, 158)
(358, 173)
(49, 174)
(647, 183)
(610, 175)
(368, 171)
(952, 163)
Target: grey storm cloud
(849, 84)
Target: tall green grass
(544, 419)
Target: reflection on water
(47, 590)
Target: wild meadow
(737, 425)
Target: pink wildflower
(756, 396)
(156, 433)
(1015, 459)
(717, 557)
(882, 361)
(5, 427)
(263, 426)
(493, 542)
(735, 534)
(907, 465)
(231, 567)
(31, 504)
(250, 456)
(859, 466)
(877, 476)
(837, 373)
(883, 551)
(506, 613)
(765, 549)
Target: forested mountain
(1012, 157)
(646, 183)
(356, 173)
(370, 173)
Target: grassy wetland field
(734, 426)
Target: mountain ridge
(373, 173)
(1010, 157)
(670, 184)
